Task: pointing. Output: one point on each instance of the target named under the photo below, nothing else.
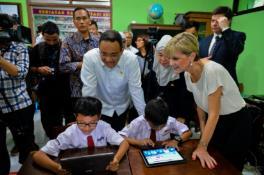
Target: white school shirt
(213, 76)
(73, 137)
(113, 86)
(140, 129)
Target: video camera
(8, 33)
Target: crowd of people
(103, 87)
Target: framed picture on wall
(241, 7)
(12, 9)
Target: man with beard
(52, 87)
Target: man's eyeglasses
(83, 125)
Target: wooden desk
(134, 164)
(190, 168)
(30, 168)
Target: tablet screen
(161, 156)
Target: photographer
(52, 87)
(16, 109)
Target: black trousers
(232, 136)
(20, 124)
(116, 122)
(4, 156)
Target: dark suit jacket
(226, 51)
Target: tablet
(161, 156)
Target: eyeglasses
(83, 125)
(84, 18)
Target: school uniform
(140, 129)
(73, 137)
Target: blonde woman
(224, 119)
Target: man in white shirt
(129, 38)
(112, 74)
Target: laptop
(87, 164)
(161, 156)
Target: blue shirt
(72, 50)
(14, 87)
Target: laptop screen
(87, 164)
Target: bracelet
(203, 144)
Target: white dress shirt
(140, 129)
(132, 49)
(214, 76)
(113, 86)
(73, 137)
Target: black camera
(8, 33)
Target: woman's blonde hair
(184, 42)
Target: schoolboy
(78, 135)
(155, 125)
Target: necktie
(217, 38)
(90, 142)
(153, 135)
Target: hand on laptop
(62, 171)
(113, 165)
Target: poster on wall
(63, 18)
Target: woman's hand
(205, 158)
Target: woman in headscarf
(172, 85)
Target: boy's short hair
(50, 28)
(157, 111)
(88, 106)
(80, 8)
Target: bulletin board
(63, 18)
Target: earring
(191, 63)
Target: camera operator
(16, 109)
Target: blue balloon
(155, 11)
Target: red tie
(90, 142)
(153, 135)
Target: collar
(219, 35)
(78, 37)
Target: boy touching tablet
(155, 125)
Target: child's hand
(113, 165)
(62, 171)
(146, 142)
(171, 143)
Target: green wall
(124, 10)
(251, 61)
(24, 9)
(250, 64)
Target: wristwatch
(178, 139)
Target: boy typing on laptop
(155, 125)
(88, 131)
